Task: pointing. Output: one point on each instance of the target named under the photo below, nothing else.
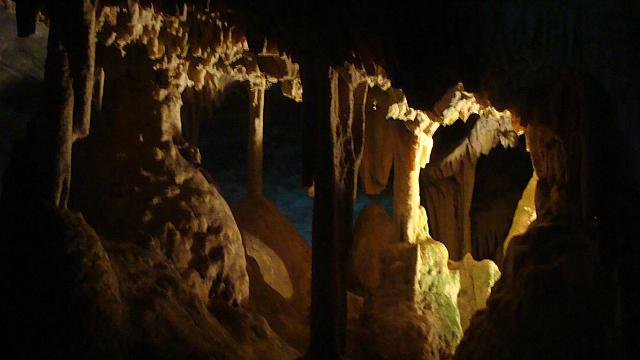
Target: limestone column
(411, 153)
(255, 146)
(340, 134)
(69, 85)
(312, 106)
(57, 124)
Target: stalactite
(310, 119)
(80, 41)
(378, 143)
(99, 88)
(255, 146)
(69, 71)
(58, 120)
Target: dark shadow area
(500, 180)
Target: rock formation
(283, 300)
(118, 243)
(448, 181)
(411, 304)
(525, 213)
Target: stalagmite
(255, 146)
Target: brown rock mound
(261, 222)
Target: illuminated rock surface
(412, 310)
(525, 212)
(374, 231)
(413, 313)
(287, 311)
(476, 280)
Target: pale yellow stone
(525, 212)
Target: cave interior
(219, 179)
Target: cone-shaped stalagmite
(255, 146)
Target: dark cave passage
(501, 177)
(222, 141)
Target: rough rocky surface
(109, 299)
(270, 265)
(555, 295)
(280, 294)
(413, 314)
(66, 299)
(410, 310)
(143, 189)
(476, 280)
(547, 301)
(373, 231)
(157, 280)
(169, 319)
(173, 238)
(447, 182)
